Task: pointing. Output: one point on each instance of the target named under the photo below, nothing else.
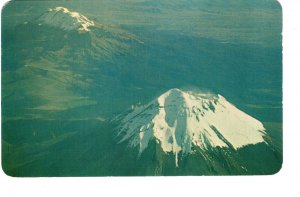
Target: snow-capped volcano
(80, 35)
(180, 120)
(67, 20)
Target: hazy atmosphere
(141, 88)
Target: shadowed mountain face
(93, 90)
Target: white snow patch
(66, 19)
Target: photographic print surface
(141, 88)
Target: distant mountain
(57, 61)
(59, 27)
(101, 40)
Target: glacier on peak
(179, 120)
(65, 19)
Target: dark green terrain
(61, 89)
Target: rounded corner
(6, 172)
(277, 171)
(278, 2)
(5, 5)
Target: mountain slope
(180, 121)
(57, 61)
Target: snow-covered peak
(65, 19)
(180, 120)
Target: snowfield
(179, 120)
